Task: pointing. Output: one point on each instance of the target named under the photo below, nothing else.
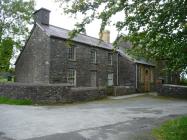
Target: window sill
(72, 60)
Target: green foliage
(3, 80)
(4, 100)
(15, 16)
(6, 80)
(172, 130)
(157, 29)
(183, 82)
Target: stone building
(89, 62)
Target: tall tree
(156, 28)
(15, 17)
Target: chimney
(41, 16)
(105, 36)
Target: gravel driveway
(122, 119)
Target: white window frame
(110, 58)
(93, 59)
(71, 75)
(112, 79)
(73, 55)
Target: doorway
(147, 80)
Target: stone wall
(32, 65)
(172, 90)
(56, 93)
(123, 90)
(127, 72)
(82, 64)
(120, 90)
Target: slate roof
(55, 31)
(139, 61)
(63, 33)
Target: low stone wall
(123, 90)
(172, 90)
(120, 90)
(52, 93)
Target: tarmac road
(121, 119)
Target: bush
(183, 82)
(5, 80)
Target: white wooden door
(110, 79)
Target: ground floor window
(71, 76)
(110, 79)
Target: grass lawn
(4, 100)
(172, 130)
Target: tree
(157, 29)
(15, 16)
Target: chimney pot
(105, 36)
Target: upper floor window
(72, 53)
(110, 58)
(71, 76)
(93, 56)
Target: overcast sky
(57, 18)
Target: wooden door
(147, 80)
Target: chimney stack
(105, 36)
(41, 16)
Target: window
(93, 56)
(110, 79)
(71, 77)
(71, 53)
(110, 58)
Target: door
(93, 79)
(110, 79)
(146, 81)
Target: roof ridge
(80, 34)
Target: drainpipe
(136, 76)
(117, 69)
(117, 73)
